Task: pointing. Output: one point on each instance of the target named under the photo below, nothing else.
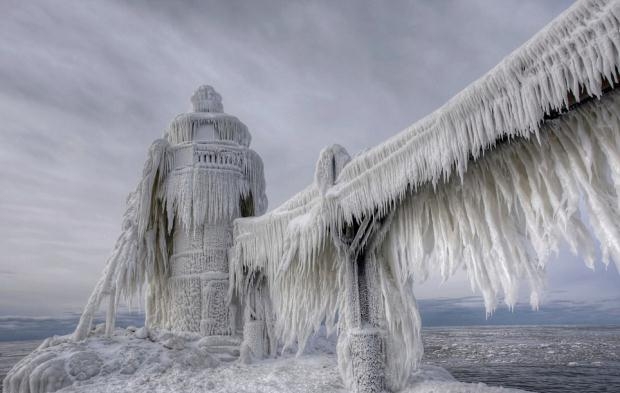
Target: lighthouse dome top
(206, 99)
(208, 110)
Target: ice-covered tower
(214, 178)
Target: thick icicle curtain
(570, 57)
(510, 211)
(484, 183)
(140, 251)
(500, 221)
(574, 56)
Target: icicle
(228, 128)
(133, 261)
(509, 101)
(501, 220)
(110, 319)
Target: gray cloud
(18, 328)
(469, 311)
(86, 86)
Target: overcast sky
(86, 86)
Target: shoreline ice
(160, 361)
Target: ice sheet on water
(544, 358)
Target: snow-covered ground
(135, 360)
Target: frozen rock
(111, 367)
(141, 333)
(84, 365)
(159, 335)
(99, 329)
(211, 341)
(196, 358)
(174, 342)
(132, 360)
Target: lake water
(546, 359)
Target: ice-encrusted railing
(501, 222)
(487, 183)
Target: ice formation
(185, 362)
(490, 182)
(178, 224)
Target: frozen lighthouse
(214, 178)
(177, 228)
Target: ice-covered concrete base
(61, 362)
(136, 360)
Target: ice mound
(61, 362)
(434, 379)
(139, 360)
